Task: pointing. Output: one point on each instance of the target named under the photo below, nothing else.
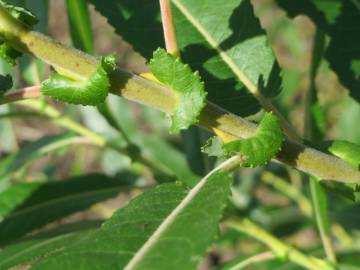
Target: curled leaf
(91, 91)
(187, 86)
(260, 148)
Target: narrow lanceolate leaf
(54, 200)
(80, 25)
(164, 228)
(260, 148)
(187, 86)
(90, 91)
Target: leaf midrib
(168, 221)
(216, 46)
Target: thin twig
(262, 257)
(21, 94)
(168, 28)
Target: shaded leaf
(6, 83)
(54, 200)
(33, 249)
(187, 86)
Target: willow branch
(258, 258)
(21, 94)
(72, 62)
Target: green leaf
(22, 252)
(80, 25)
(90, 91)
(187, 86)
(340, 20)
(260, 148)
(234, 28)
(164, 228)
(54, 200)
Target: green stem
(289, 190)
(258, 258)
(319, 200)
(63, 120)
(314, 134)
(74, 63)
(279, 248)
(68, 123)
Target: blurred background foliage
(36, 150)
